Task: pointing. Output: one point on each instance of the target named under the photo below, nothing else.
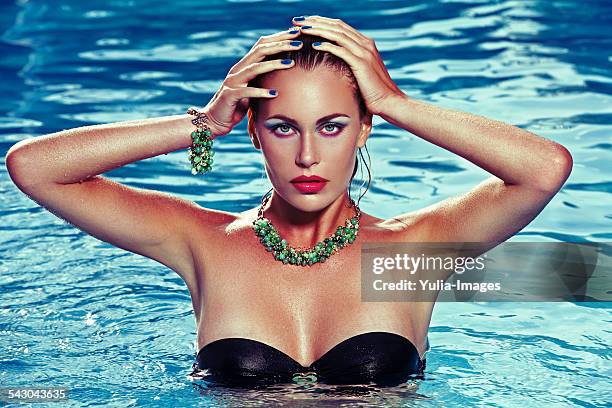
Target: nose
(307, 154)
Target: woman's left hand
(361, 54)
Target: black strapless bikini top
(380, 357)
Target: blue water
(117, 328)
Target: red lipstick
(309, 184)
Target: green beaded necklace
(269, 237)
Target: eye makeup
(283, 128)
(281, 125)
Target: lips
(309, 184)
(308, 179)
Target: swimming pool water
(117, 329)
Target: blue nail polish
(316, 44)
(296, 43)
(305, 27)
(272, 91)
(286, 61)
(300, 18)
(294, 31)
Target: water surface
(117, 328)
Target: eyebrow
(323, 119)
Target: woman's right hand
(230, 103)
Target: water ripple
(118, 328)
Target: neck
(304, 228)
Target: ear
(251, 129)
(366, 129)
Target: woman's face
(311, 128)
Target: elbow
(12, 159)
(16, 152)
(559, 169)
(15, 161)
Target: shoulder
(205, 224)
(413, 226)
(217, 224)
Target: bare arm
(60, 171)
(514, 155)
(74, 155)
(528, 171)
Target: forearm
(75, 154)
(508, 152)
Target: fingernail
(300, 18)
(316, 44)
(294, 31)
(296, 43)
(272, 91)
(305, 27)
(286, 61)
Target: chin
(310, 202)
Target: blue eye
(283, 129)
(279, 126)
(338, 126)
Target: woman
(278, 299)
